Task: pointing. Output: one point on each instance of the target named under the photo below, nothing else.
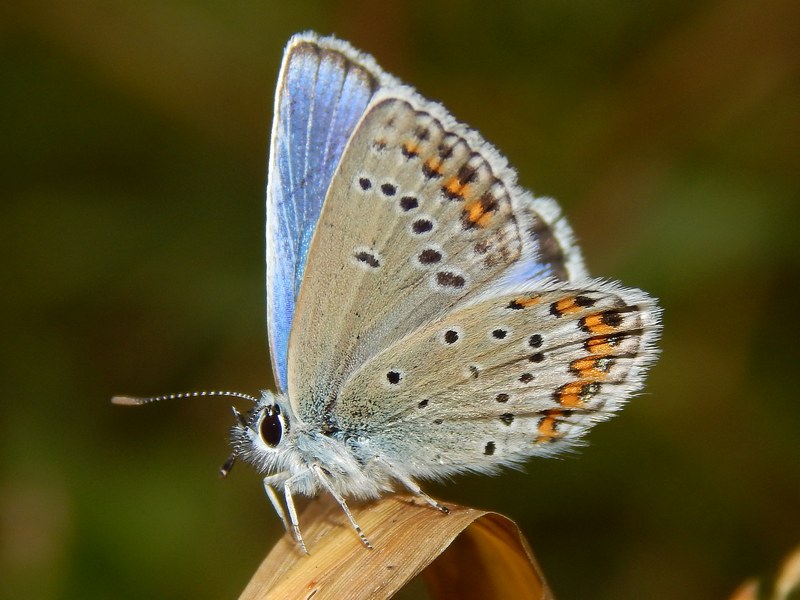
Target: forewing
(504, 377)
(421, 214)
(323, 89)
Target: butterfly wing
(421, 214)
(520, 372)
(323, 88)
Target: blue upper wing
(323, 90)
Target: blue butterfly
(426, 316)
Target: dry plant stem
(480, 555)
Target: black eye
(271, 429)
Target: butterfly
(426, 316)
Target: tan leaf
(466, 554)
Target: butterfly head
(263, 436)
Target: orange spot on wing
(566, 306)
(597, 324)
(526, 301)
(453, 188)
(599, 345)
(591, 368)
(477, 213)
(547, 426)
(433, 167)
(410, 149)
(569, 395)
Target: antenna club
(126, 401)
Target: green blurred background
(135, 139)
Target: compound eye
(271, 428)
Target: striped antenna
(136, 401)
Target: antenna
(137, 401)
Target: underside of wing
(421, 214)
(323, 90)
(522, 372)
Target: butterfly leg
(326, 483)
(269, 482)
(287, 492)
(412, 486)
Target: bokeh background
(132, 169)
